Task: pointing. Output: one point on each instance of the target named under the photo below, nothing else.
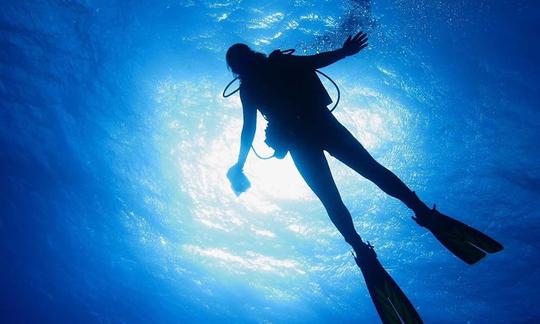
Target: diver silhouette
(287, 91)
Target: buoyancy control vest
(286, 89)
(287, 92)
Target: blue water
(115, 141)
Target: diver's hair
(240, 59)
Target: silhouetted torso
(286, 91)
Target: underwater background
(115, 141)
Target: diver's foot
(427, 217)
(389, 300)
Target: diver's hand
(355, 44)
(239, 182)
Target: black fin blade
(391, 303)
(462, 240)
(461, 248)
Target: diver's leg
(389, 300)
(346, 148)
(312, 165)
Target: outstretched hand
(355, 44)
(239, 182)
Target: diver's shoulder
(278, 56)
(279, 60)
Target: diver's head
(242, 60)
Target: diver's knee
(375, 167)
(376, 172)
(336, 208)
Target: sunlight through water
(116, 142)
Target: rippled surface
(115, 141)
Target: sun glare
(202, 138)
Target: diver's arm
(321, 60)
(248, 130)
(239, 182)
(351, 46)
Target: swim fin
(390, 302)
(465, 242)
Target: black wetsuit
(298, 104)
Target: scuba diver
(287, 91)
